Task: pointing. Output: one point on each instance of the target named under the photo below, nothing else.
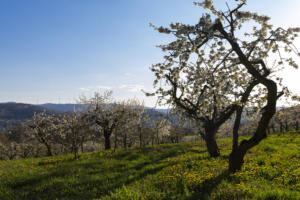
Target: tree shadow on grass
(54, 162)
(91, 179)
(197, 151)
(204, 191)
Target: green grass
(171, 171)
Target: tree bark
(236, 160)
(152, 140)
(212, 147)
(141, 137)
(48, 146)
(49, 149)
(107, 141)
(236, 157)
(157, 136)
(211, 143)
(75, 151)
(235, 133)
(125, 141)
(115, 142)
(81, 145)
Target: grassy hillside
(179, 171)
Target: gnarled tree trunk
(210, 141)
(236, 158)
(212, 147)
(268, 111)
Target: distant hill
(14, 113)
(70, 107)
(154, 113)
(62, 107)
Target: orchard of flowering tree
(102, 121)
(224, 136)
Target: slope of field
(172, 171)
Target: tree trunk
(273, 128)
(211, 143)
(62, 149)
(125, 141)
(115, 142)
(281, 127)
(267, 112)
(236, 160)
(81, 146)
(286, 126)
(297, 126)
(107, 141)
(75, 151)
(141, 137)
(49, 149)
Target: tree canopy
(222, 64)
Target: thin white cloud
(93, 88)
(104, 87)
(132, 87)
(84, 89)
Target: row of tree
(104, 122)
(50, 135)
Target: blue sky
(55, 50)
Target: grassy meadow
(169, 171)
